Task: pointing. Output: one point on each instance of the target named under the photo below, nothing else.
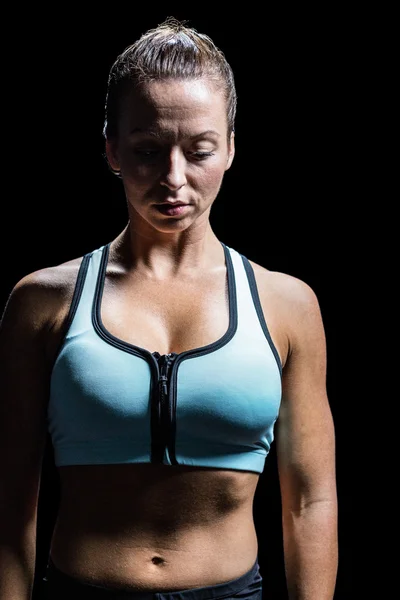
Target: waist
(60, 586)
(204, 555)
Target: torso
(159, 527)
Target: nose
(173, 175)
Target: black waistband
(61, 586)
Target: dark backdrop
(279, 204)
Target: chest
(171, 316)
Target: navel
(157, 560)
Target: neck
(167, 255)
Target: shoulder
(37, 297)
(295, 294)
(291, 308)
(289, 288)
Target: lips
(172, 204)
(172, 209)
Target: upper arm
(305, 438)
(24, 388)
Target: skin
(172, 146)
(159, 527)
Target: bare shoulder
(295, 293)
(291, 309)
(41, 297)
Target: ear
(112, 155)
(231, 150)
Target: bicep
(24, 382)
(305, 430)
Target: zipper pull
(163, 378)
(165, 362)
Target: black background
(282, 203)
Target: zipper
(162, 431)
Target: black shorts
(60, 586)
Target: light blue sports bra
(113, 402)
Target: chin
(172, 225)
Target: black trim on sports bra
(80, 281)
(257, 305)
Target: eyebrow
(159, 133)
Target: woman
(164, 364)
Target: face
(172, 150)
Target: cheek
(139, 173)
(208, 178)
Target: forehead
(174, 106)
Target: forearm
(311, 551)
(17, 568)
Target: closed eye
(146, 154)
(201, 155)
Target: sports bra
(114, 402)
